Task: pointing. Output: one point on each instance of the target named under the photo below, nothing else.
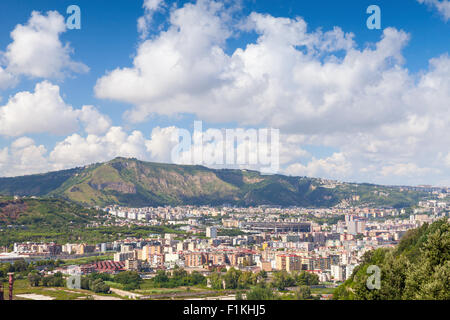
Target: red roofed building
(108, 266)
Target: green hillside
(61, 221)
(44, 213)
(37, 184)
(418, 268)
(45, 219)
(138, 183)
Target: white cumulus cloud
(144, 22)
(23, 157)
(315, 84)
(378, 121)
(7, 79)
(443, 7)
(37, 51)
(44, 111)
(336, 166)
(36, 112)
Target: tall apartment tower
(211, 232)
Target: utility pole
(11, 284)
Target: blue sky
(109, 40)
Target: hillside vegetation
(44, 212)
(418, 268)
(61, 221)
(137, 183)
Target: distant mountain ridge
(132, 182)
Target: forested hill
(418, 268)
(137, 183)
(45, 213)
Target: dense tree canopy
(418, 268)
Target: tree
(85, 283)
(394, 273)
(179, 273)
(196, 278)
(430, 277)
(282, 280)
(130, 279)
(246, 279)
(99, 286)
(304, 278)
(55, 280)
(161, 277)
(262, 275)
(215, 280)
(303, 293)
(102, 276)
(231, 278)
(20, 265)
(344, 291)
(418, 268)
(262, 292)
(34, 278)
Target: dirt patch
(34, 296)
(11, 210)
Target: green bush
(55, 280)
(130, 280)
(34, 278)
(99, 286)
(262, 292)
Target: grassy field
(58, 293)
(87, 260)
(116, 285)
(23, 287)
(147, 288)
(322, 290)
(149, 291)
